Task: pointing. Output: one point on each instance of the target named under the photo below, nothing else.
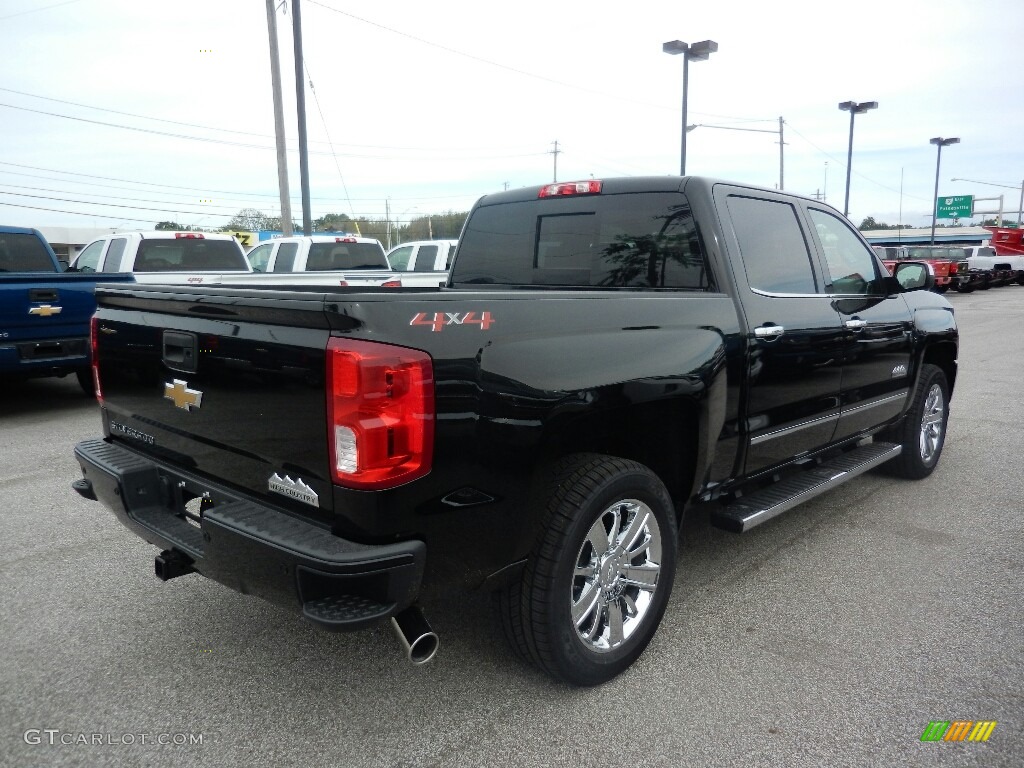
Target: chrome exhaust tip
(418, 639)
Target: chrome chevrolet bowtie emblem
(294, 489)
(45, 310)
(183, 397)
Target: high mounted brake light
(571, 188)
(189, 235)
(380, 413)
(345, 240)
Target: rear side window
(285, 260)
(89, 259)
(326, 256)
(188, 254)
(24, 253)
(112, 261)
(772, 245)
(425, 258)
(646, 240)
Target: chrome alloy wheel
(616, 575)
(932, 421)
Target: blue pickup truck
(44, 311)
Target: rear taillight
(391, 284)
(94, 354)
(380, 413)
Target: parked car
(944, 263)
(348, 260)
(44, 311)
(162, 256)
(605, 355)
(423, 256)
(1004, 268)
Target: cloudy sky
(122, 114)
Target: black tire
(964, 288)
(922, 432)
(985, 284)
(606, 552)
(1020, 280)
(84, 376)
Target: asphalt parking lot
(832, 635)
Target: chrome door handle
(856, 323)
(769, 332)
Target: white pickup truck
(163, 256)
(1004, 268)
(423, 256)
(340, 259)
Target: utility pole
(782, 159)
(555, 152)
(300, 106)
(282, 157)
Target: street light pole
(939, 142)
(853, 108)
(697, 52)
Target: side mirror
(914, 276)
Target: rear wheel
(922, 432)
(599, 579)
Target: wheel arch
(943, 355)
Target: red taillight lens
(345, 240)
(380, 413)
(189, 235)
(391, 284)
(571, 188)
(94, 354)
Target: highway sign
(956, 207)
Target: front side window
(399, 258)
(851, 265)
(259, 256)
(772, 245)
(89, 259)
(636, 240)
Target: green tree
(248, 220)
(171, 226)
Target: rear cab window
(189, 254)
(629, 240)
(345, 255)
(21, 252)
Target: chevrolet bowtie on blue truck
(44, 311)
(605, 355)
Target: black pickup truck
(605, 355)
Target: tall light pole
(697, 52)
(939, 142)
(854, 109)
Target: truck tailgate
(206, 386)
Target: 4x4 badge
(183, 397)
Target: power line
(193, 190)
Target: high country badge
(293, 489)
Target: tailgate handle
(43, 295)
(180, 351)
